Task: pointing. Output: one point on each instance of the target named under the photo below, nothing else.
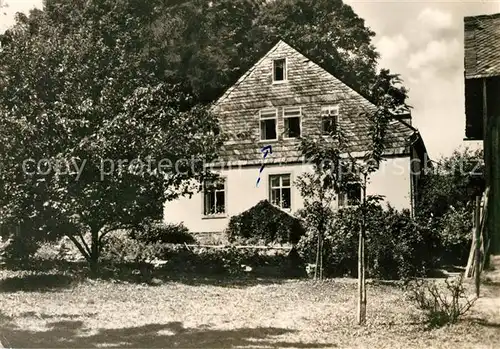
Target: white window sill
(277, 82)
(215, 216)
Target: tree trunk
(94, 253)
(361, 263)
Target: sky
(421, 40)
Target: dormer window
(329, 119)
(279, 70)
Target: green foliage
(446, 201)
(164, 233)
(396, 246)
(453, 181)
(441, 305)
(266, 223)
(91, 97)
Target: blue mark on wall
(266, 151)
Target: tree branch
(85, 245)
(80, 247)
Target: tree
(446, 201)
(92, 139)
(334, 168)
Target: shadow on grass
(73, 334)
(485, 323)
(61, 274)
(36, 283)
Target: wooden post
(361, 263)
(477, 262)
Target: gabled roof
(482, 46)
(309, 85)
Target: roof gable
(482, 46)
(308, 85)
(304, 77)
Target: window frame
(285, 70)
(280, 187)
(275, 118)
(222, 179)
(335, 117)
(290, 117)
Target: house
(482, 106)
(284, 96)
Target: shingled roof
(482, 46)
(309, 86)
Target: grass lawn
(292, 314)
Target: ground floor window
(351, 196)
(280, 191)
(214, 193)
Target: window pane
(268, 113)
(268, 129)
(292, 111)
(354, 194)
(220, 202)
(292, 127)
(285, 180)
(275, 181)
(328, 125)
(275, 196)
(209, 202)
(285, 198)
(279, 70)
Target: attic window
(291, 117)
(279, 70)
(268, 123)
(329, 119)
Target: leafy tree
(81, 93)
(446, 200)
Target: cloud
(438, 54)
(435, 19)
(392, 47)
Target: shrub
(455, 235)
(120, 248)
(441, 306)
(396, 246)
(163, 233)
(20, 250)
(267, 223)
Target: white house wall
(392, 180)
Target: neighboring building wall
(392, 181)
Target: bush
(441, 306)
(455, 236)
(396, 246)
(267, 223)
(20, 250)
(163, 233)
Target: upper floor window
(329, 119)
(268, 124)
(351, 196)
(214, 193)
(280, 191)
(292, 120)
(279, 70)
